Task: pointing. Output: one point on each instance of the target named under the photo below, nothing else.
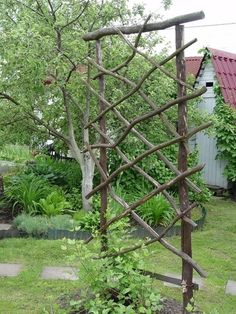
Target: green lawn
(214, 249)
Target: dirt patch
(6, 213)
(170, 306)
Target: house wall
(213, 170)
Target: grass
(16, 153)
(214, 249)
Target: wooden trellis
(181, 136)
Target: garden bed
(55, 234)
(175, 230)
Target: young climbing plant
(226, 134)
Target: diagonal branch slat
(136, 87)
(130, 58)
(148, 196)
(147, 143)
(142, 156)
(137, 218)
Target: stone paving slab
(230, 287)
(65, 273)
(10, 270)
(196, 280)
(5, 227)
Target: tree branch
(136, 87)
(148, 28)
(52, 10)
(154, 192)
(145, 141)
(77, 17)
(36, 118)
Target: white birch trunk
(87, 168)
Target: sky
(216, 12)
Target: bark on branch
(148, 28)
(146, 142)
(146, 226)
(136, 87)
(143, 155)
(148, 177)
(154, 192)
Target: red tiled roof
(193, 65)
(225, 67)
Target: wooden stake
(103, 153)
(186, 244)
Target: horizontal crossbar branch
(148, 28)
(130, 58)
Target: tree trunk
(87, 167)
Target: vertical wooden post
(103, 152)
(186, 243)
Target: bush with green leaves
(114, 285)
(87, 220)
(226, 134)
(54, 204)
(33, 226)
(75, 199)
(65, 173)
(38, 225)
(35, 195)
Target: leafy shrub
(64, 173)
(38, 225)
(156, 211)
(34, 226)
(88, 220)
(26, 191)
(225, 134)
(75, 199)
(61, 222)
(114, 285)
(54, 204)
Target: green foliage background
(226, 134)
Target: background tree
(42, 58)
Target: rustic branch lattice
(181, 137)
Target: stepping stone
(10, 270)
(197, 280)
(65, 273)
(5, 227)
(230, 287)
